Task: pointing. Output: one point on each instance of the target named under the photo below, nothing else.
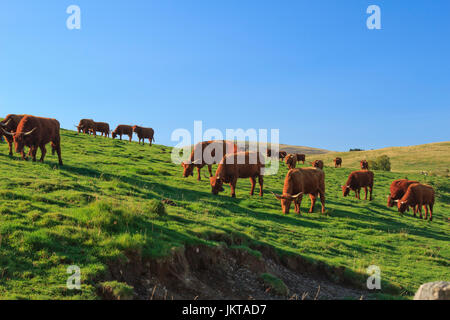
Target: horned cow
(398, 190)
(204, 153)
(299, 182)
(123, 130)
(337, 162)
(317, 164)
(291, 161)
(10, 124)
(86, 126)
(36, 132)
(356, 181)
(101, 127)
(301, 157)
(238, 165)
(416, 196)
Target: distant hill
(299, 149)
(430, 158)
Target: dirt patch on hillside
(203, 272)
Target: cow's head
(402, 206)
(391, 202)
(114, 134)
(216, 185)
(345, 190)
(290, 161)
(21, 139)
(286, 200)
(188, 169)
(8, 125)
(136, 129)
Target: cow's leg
(10, 142)
(426, 211)
(210, 170)
(261, 184)
(298, 204)
(365, 190)
(322, 200)
(43, 152)
(313, 202)
(131, 137)
(150, 140)
(57, 147)
(233, 187)
(253, 182)
(35, 148)
(371, 190)
(420, 210)
(120, 137)
(198, 176)
(431, 211)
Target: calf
(418, 195)
(338, 162)
(291, 161)
(204, 150)
(301, 157)
(10, 124)
(144, 133)
(123, 130)
(398, 190)
(238, 165)
(356, 181)
(299, 182)
(364, 165)
(317, 164)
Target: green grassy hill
(106, 202)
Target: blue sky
(310, 68)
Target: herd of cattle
(35, 132)
(300, 181)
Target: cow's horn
(29, 132)
(297, 195)
(277, 196)
(6, 132)
(396, 201)
(7, 122)
(196, 162)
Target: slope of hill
(430, 158)
(118, 209)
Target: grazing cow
(123, 130)
(299, 182)
(203, 150)
(416, 196)
(86, 126)
(144, 133)
(356, 181)
(338, 162)
(10, 124)
(301, 157)
(291, 161)
(398, 190)
(282, 155)
(364, 165)
(36, 132)
(101, 127)
(238, 165)
(317, 164)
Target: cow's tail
(153, 138)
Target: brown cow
(269, 153)
(282, 155)
(291, 161)
(301, 157)
(10, 124)
(101, 127)
(123, 130)
(144, 133)
(317, 164)
(299, 182)
(398, 190)
(418, 195)
(36, 132)
(238, 165)
(197, 158)
(86, 126)
(364, 165)
(356, 181)
(337, 162)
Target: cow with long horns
(299, 182)
(36, 132)
(207, 153)
(10, 124)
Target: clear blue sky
(310, 68)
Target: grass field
(105, 201)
